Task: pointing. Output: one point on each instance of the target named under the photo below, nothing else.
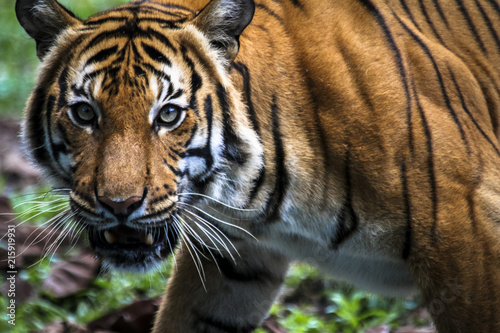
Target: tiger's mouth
(131, 249)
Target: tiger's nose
(125, 207)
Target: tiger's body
(358, 136)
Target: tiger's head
(134, 110)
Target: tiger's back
(416, 91)
(366, 144)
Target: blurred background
(60, 286)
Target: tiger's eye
(83, 114)
(169, 115)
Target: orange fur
(376, 124)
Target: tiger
(359, 136)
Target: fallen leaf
(137, 317)
(65, 327)
(69, 277)
(272, 326)
(14, 166)
(379, 329)
(413, 329)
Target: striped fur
(359, 136)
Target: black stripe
(160, 37)
(297, 4)
(348, 220)
(196, 82)
(256, 185)
(62, 148)
(78, 91)
(430, 166)
(430, 22)
(92, 75)
(270, 12)
(399, 61)
(281, 174)
(54, 149)
(204, 324)
(410, 14)
(196, 85)
(371, 8)
(194, 129)
(136, 52)
(206, 151)
(489, 24)
(120, 57)
(36, 133)
(134, 10)
(496, 6)
(75, 167)
(165, 24)
(163, 210)
(76, 207)
(407, 211)
(92, 22)
(145, 9)
(437, 5)
(156, 72)
(175, 151)
(170, 91)
(63, 88)
(467, 111)
(470, 204)
(172, 6)
(441, 83)
(61, 102)
(231, 140)
(172, 156)
(175, 171)
(128, 31)
(138, 71)
(178, 93)
(472, 27)
(101, 55)
(245, 75)
(156, 55)
(51, 100)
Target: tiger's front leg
(234, 296)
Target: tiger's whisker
(219, 202)
(221, 221)
(54, 224)
(196, 261)
(217, 231)
(210, 249)
(206, 233)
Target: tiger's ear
(223, 21)
(44, 20)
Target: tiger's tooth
(149, 239)
(110, 238)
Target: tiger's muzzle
(127, 239)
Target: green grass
(107, 292)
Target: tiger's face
(129, 116)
